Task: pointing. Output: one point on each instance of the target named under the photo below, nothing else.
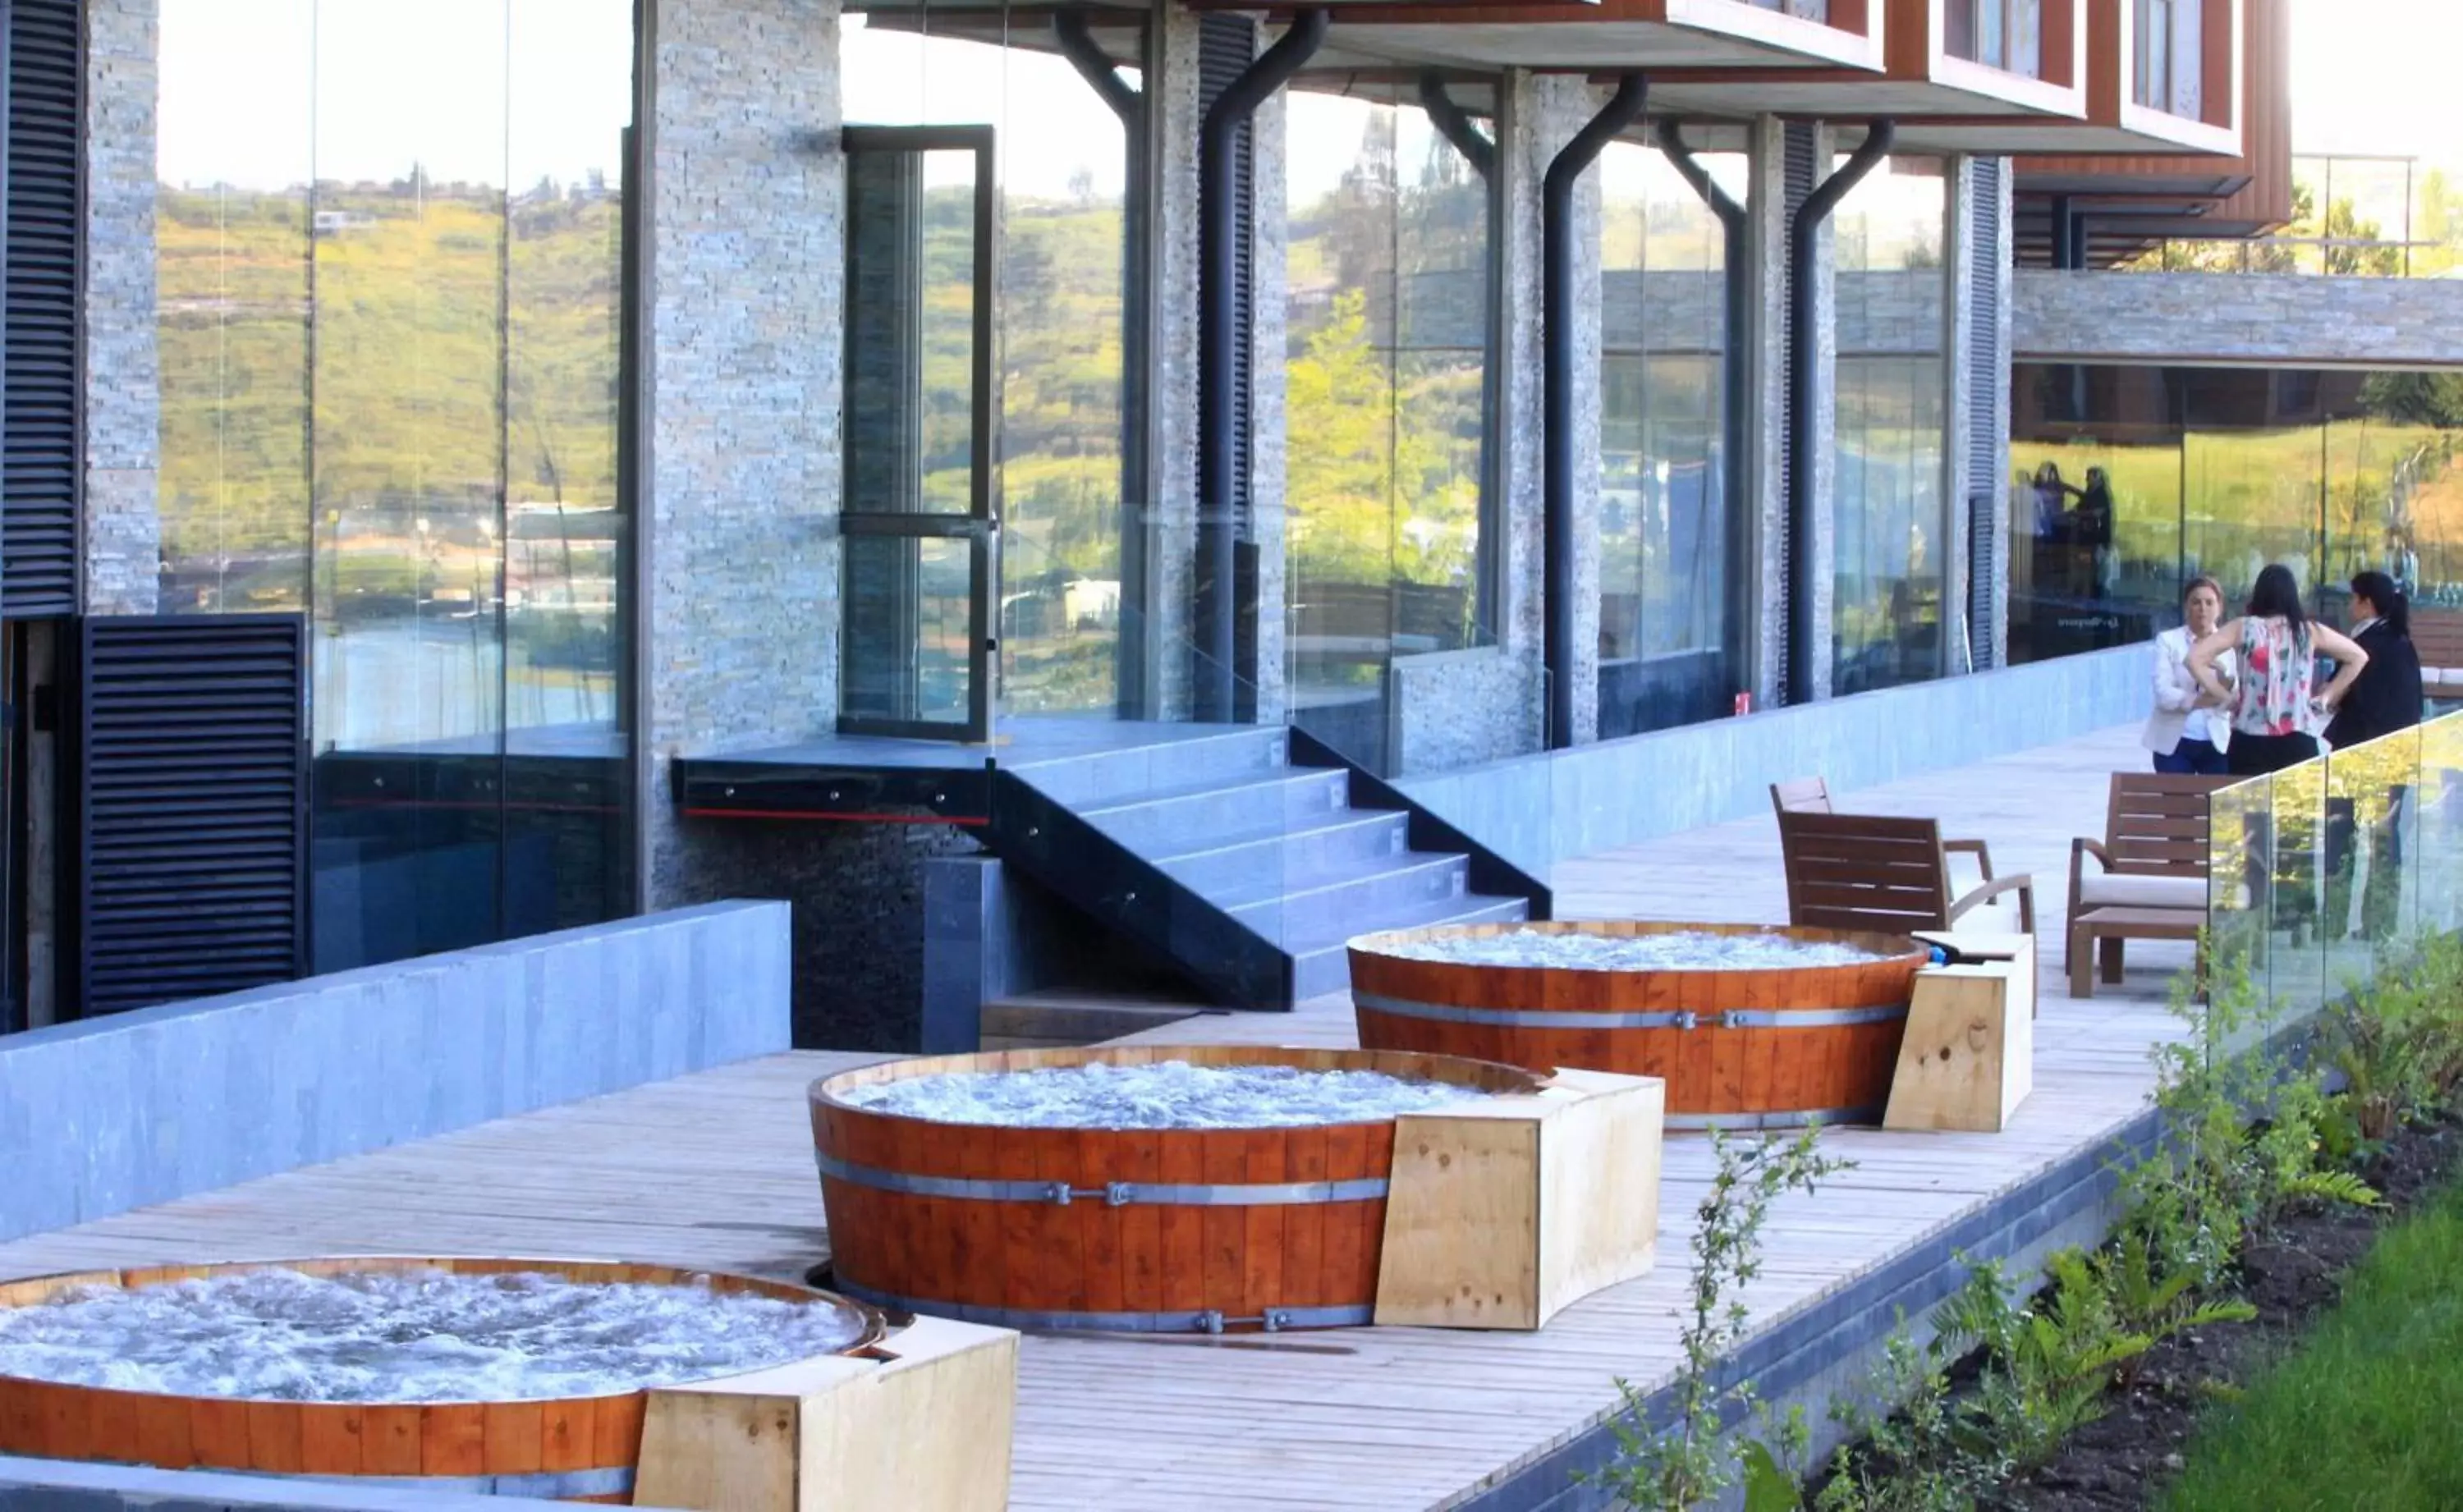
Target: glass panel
(231, 239)
(908, 621)
(910, 311)
(1386, 395)
(2239, 871)
(1664, 604)
(566, 531)
(1892, 409)
(409, 466)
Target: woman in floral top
(2274, 708)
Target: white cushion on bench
(2441, 678)
(2142, 892)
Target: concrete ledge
(2204, 319)
(61, 1485)
(1539, 810)
(111, 1113)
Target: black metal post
(2062, 228)
(1802, 235)
(1735, 391)
(1449, 118)
(1218, 365)
(1557, 410)
(1488, 582)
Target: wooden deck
(715, 1170)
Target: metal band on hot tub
(1115, 1194)
(1675, 1018)
(1271, 1320)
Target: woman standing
(2189, 731)
(2278, 646)
(2387, 697)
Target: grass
(2362, 1415)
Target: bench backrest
(2438, 635)
(1801, 795)
(2155, 825)
(1868, 871)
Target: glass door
(921, 514)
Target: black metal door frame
(980, 525)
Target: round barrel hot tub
(1154, 1188)
(301, 1383)
(1750, 1025)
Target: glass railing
(2327, 873)
(2354, 216)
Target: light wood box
(1969, 1059)
(927, 1428)
(1502, 1211)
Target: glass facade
(1890, 528)
(389, 324)
(1388, 394)
(1998, 34)
(1666, 558)
(2129, 480)
(1061, 466)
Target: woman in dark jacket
(2386, 698)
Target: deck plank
(715, 1170)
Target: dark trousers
(2258, 755)
(2282, 864)
(2193, 759)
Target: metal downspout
(1556, 413)
(1802, 235)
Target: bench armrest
(1983, 856)
(2079, 849)
(2022, 884)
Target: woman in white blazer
(2189, 731)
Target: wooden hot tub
(1772, 1047)
(1170, 1230)
(575, 1449)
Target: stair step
(1055, 1018)
(1337, 902)
(1176, 820)
(1321, 965)
(1231, 863)
(1100, 777)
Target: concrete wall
(107, 1114)
(54, 1486)
(1539, 810)
(2285, 318)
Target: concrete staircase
(1278, 848)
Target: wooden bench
(2437, 635)
(2108, 927)
(1870, 871)
(1812, 795)
(2152, 875)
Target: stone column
(1174, 118)
(1529, 133)
(1269, 325)
(123, 406)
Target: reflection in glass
(906, 638)
(1663, 493)
(1386, 399)
(389, 399)
(1892, 410)
(1060, 340)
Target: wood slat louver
(192, 840)
(39, 452)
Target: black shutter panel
(1985, 507)
(193, 750)
(1226, 46)
(1797, 168)
(39, 443)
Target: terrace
(714, 1169)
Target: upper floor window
(2167, 56)
(1999, 33)
(1807, 9)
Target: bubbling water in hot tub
(1671, 950)
(408, 1336)
(1166, 1095)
